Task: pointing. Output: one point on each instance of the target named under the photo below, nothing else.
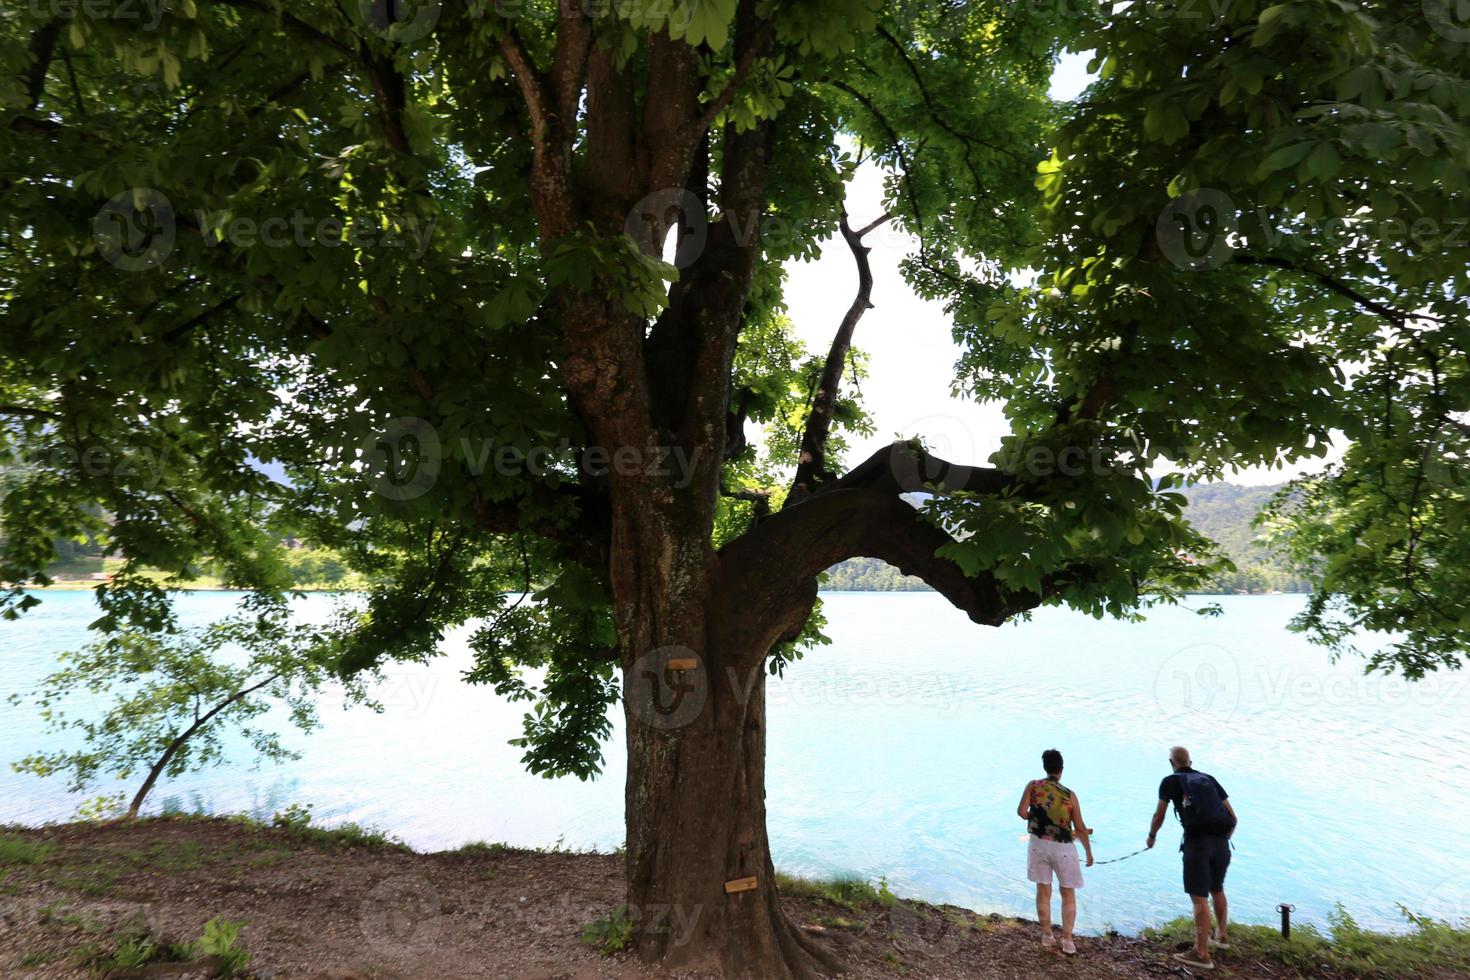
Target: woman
(1054, 818)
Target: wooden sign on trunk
(740, 885)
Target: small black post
(1286, 911)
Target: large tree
(394, 277)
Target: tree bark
(695, 809)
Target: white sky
(911, 352)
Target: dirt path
(316, 910)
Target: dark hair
(1051, 761)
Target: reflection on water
(901, 750)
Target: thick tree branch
(535, 88)
(811, 465)
(800, 542)
(903, 467)
(551, 148)
(41, 50)
(569, 62)
(390, 92)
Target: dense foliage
(1223, 512)
(395, 281)
(170, 700)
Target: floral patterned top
(1050, 814)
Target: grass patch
(95, 879)
(848, 891)
(296, 820)
(1428, 946)
(839, 922)
(479, 848)
(40, 959)
(18, 850)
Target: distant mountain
(1222, 511)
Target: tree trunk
(177, 743)
(696, 819)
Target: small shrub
(886, 898)
(131, 953)
(609, 935)
(479, 848)
(221, 938)
(295, 817)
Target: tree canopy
(393, 277)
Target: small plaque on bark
(740, 885)
(683, 663)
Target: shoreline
(348, 904)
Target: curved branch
(896, 146)
(811, 465)
(799, 543)
(1392, 314)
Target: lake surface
(901, 750)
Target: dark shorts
(1206, 859)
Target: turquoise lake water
(901, 750)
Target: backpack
(1202, 808)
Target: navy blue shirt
(1172, 789)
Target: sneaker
(1190, 958)
(1219, 943)
(1048, 940)
(1069, 947)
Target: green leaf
(1323, 163)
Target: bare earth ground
(320, 911)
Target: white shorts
(1045, 857)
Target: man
(1203, 807)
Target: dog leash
(1123, 858)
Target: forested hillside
(1223, 511)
